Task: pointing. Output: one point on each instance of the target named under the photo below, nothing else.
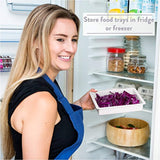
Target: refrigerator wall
(90, 72)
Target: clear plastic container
(115, 62)
(148, 6)
(132, 45)
(137, 64)
(117, 6)
(135, 6)
(156, 9)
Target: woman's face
(62, 44)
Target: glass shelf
(95, 121)
(148, 77)
(146, 109)
(140, 151)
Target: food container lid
(132, 37)
(115, 50)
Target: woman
(37, 122)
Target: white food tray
(118, 109)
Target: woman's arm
(38, 125)
(85, 101)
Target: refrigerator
(89, 71)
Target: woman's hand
(85, 101)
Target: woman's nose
(70, 47)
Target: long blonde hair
(36, 31)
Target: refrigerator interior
(90, 72)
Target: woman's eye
(74, 40)
(60, 40)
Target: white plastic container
(146, 90)
(118, 109)
(124, 85)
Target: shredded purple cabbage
(116, 99)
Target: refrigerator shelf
(140, 152)
(95, 119)
(148, 77)
(147, 109)
(5, 70)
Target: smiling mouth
(65, 57)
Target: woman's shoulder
(29, 87)
(42, 101)
(35, 109)
(33, 85)
(37, 83)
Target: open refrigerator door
(14, 16)
(12, 19)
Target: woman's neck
(52, 75)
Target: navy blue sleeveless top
(65, 135)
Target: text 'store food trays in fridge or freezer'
(123, 100)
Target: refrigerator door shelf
(20, 5)
(5, 63)
(29, 5)
(10, 35)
